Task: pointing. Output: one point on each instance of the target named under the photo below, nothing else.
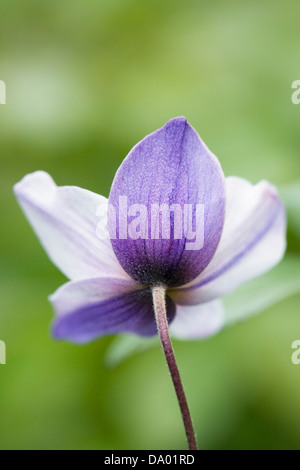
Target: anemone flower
(173, 237)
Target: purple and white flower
(111, 279)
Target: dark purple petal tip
(168, 203)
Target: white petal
(65, 220)
(197, 321)
(253, 241)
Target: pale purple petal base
(131, 313)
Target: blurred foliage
(85, 81)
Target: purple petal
(170, 166)
(65, 221)
(253, 241)
(89, 309)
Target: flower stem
(159, 302)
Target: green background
(85, 81)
